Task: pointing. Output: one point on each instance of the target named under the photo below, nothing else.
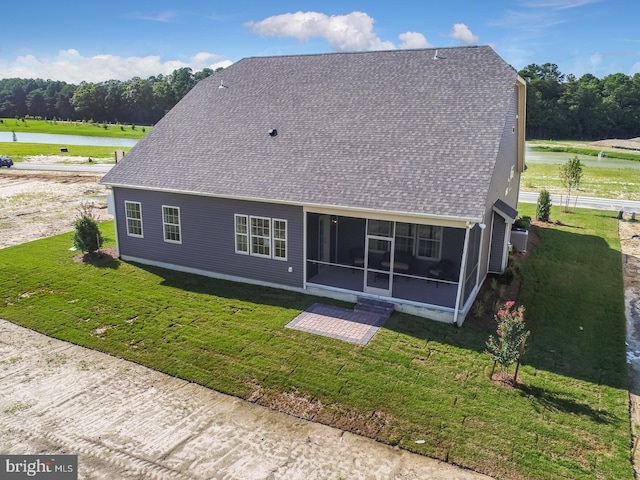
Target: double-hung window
(133, 212)
(260, 236)
(279, 239)
(429, 241)
(242, 234)
(171, 224)
(424, 241)
(405, 235)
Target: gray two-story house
(391, 174)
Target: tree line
(136, 101)
(558, 106)
(585, 108)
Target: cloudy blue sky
(96, 41)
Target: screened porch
(410, 262)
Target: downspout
(304, 248)
(483, 227)
(111, 204)
(463, 265)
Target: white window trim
(417, 244)
(274, 239)
(412, 237)
(164, 225)
(247, 234)
(251, 252)
(271, 238)
(127, 218)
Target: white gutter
(321, 208)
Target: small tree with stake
(87, 236)
(512, 334)
(571, 175)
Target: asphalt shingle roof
(395, 131)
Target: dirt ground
(40, 204)
(127, 422)
(632, 144)
(629, 232)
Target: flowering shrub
(509, 345)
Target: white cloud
(559, 4)
(413, 40)
(70, 66)
(462, 33)
(596, 60)
(163, 17)
(352, 32)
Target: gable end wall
(503, 185)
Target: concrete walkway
(125, 421)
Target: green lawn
(580, 148)
(604, 182)
(73, 128)
(18, 150)
(416, 380)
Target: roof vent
(273, 132)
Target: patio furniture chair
(443, 270)
(357, 257)
(402, 262)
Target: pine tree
(87, 236)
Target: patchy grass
(17, 407)
(416, 380)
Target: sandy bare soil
(629, 232)
(611, 144)
(125, 421)
(628, 144)
(41, 204)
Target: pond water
(589, 161)
(67, 139)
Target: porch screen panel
(380, 228)
(471, 270)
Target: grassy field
(73, 128)
(18, 150)
(580, 148)
(416, 380)
(597, 181)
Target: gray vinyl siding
(208, 235)
(506, 159)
